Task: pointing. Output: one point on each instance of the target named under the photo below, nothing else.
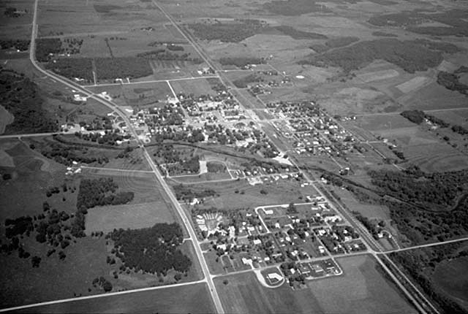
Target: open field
(55, 278)
(452, 277)
(362, 289)
(168, 300)
(281, 192)
(33, 173)
(134, 216)
(243, 293)
(436, 157)
(57, 17)
(196, 87)
(144, 185)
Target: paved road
(155, 169)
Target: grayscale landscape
(221, 156)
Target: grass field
(196, 87)
(186, 299)
(134, 216)
(54, 279)
(361, 289)
(452, 277)
(282, 192)
(31, 175)
(436, 157)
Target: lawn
(242, 293)
(362, 289)
(186, 299)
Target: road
(207, 276)
(373, 246)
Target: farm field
(168, 300)
(362, 289)
(197, 87)
(243, 293)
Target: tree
(35, 261)
(292, 209)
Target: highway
(183, 215)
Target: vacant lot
(187, 299)
(362, 289)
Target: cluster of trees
(19, 44)
(241, 62)
(20, 96)
(66, 154)
(80, 68)
(101, 192)
(297, 34)
(12, 12)
(122, 67)
(184, 193)
(109, 137)
(372, 227)
(102, 282)
(452, 82)
(245, 81)
(421, 264)
(411, 56)
(151, 250)
(46, 48)
(215, 167)
(191, 165)
(294, 7)
(418, 116)
(233, 32)
(425, 189)
(18, 226)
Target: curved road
(207, 276)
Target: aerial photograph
(234, 156)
